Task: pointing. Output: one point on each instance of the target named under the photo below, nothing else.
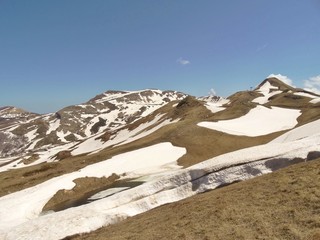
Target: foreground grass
(281, 205)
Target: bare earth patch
(84, 188)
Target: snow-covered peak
(151, 96)
(108, 111)
(13, 112)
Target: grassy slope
(281, 205)
(201, 144)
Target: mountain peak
(275, 83)
(13, 112)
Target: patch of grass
(281, 205)
(85, 187)
(31, 159)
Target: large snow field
(27, 204)
(303, 131)
(224, 169)
(259, 121)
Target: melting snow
(31, 135)
(24, 223)
(123, 136)
(303, 131)
(53, 126)
(107, 193)
(259, 121)
(315, 99)
(27, 204)
(266, 90)
(215, 107)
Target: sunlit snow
(268, 91)
(25, 222)
(259, 121)
(27, 204)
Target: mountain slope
(108, 111)
(160, 189)
(280, 205)
(133, 151)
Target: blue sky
(59, 53)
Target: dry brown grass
(84, 188)
(281, 205)
(201, 143)
(31, 159)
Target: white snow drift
(259, 121)
(27, 204)
(221, 170)
(303, 131)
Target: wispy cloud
(260, 48)
(183, 61)
(212, 92)
(313, 84)
(282, 78)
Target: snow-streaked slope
(215, 172)
(122, 136)
(303, 131)
(315, 99)
(27, 204)
(259, 121)
(109, 111)
(268, 91)
(45, 155)
(216, 106)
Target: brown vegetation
(201, 144)
(31, 159)
(84, 188)
(63, 154)
(281, 205)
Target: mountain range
(123, 153)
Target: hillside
(108, 111)
(280, 205)
(125, 153)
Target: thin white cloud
(212, 92)
(260, 48)
(313, 84)
(282, 78)
(183, 61)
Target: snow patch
(53, 126)
(315, 99)
(28, 203)
(122, 137)
(216, 106)
(266, 90)
(225, 169)
(303, 131)
(259, 121)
